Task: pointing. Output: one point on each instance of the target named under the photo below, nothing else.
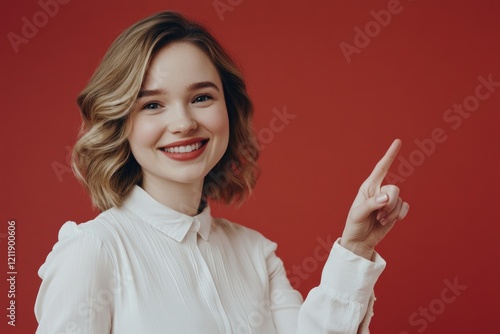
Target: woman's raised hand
(375, 209)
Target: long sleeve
(341, 304)
(145, 268)
(76, 294)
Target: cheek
(219, 122)
(143, 134)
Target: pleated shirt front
(145, 268)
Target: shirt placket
(207, 283)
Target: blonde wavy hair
(102, 159)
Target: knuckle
(391, 188)
(395, 189)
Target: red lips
(183, 150)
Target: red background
(425, 60)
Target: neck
(182, 197)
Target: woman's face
(179, 126)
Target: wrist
(358, 248)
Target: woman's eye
(202, 98)
(152, 105)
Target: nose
(181, 120)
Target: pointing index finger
(382, 167)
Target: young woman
(166, 127)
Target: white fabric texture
(145, 268)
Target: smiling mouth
(185, 148)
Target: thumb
(365, 209)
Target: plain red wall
(400, 84)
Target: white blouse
(145, 268)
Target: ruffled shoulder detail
(68, 230)
(73, 239)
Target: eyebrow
(152, 92)
(191, 87)
(202, 84)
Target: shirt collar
(170, 222)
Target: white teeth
(183, 149)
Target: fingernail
(383, 221)
(382, 198)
